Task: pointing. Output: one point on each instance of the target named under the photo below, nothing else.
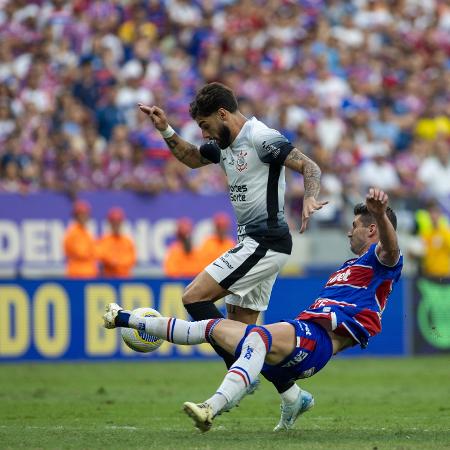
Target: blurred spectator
(330, 129)
(86, 87)
(108, 113)
(434, 122)
(182, 259)
(79, 244)
(379, 170)
(384, 128)
(218, 243)
(332, 189)
(434, 172)
(116, 251)
(433, 229)
(10, 180)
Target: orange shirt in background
(80, 251)
(179, 264)
(212, 247)
(117, 254)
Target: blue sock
(122, 319)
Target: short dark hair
(366, 217)
(212, 97)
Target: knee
(264, 334)
(187, 297)
(190, 295)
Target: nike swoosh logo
(215, 264)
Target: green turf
(373, 404)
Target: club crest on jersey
(241, 163)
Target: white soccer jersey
(256, 179)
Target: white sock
(174, 330)
(291, 394)
(243, 372)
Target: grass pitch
(374, 404)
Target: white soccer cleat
(290, 412)
(112, 309)
(201, 414)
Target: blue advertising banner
(32, 226)
(62, 320)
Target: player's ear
(222, 113)
(372, 229)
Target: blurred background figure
(433, 251)
(79, 244)
(219, 242)
(116, 251)
(182, 259)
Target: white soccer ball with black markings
(141, 341)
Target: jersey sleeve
(383, 270)
(272, 146)
(211, 152)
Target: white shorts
(248, 271)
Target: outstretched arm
(184, 151)
(299, 162)
(387, 248)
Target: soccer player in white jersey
(347, 312)
(253, 157)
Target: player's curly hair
(212, 97)
(366, 218)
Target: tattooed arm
(184, 151)
(299, 162)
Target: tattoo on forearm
(184, 151)
(310, 170)
(311, 175)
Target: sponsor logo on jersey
(226, 262)
(272, 149)
(241, 163)
(238, 192)
(357, 276)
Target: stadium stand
(361, 85)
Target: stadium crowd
(362, 86)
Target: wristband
(168, 132)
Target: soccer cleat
(201, 414)
(112, 309)
(290, 412)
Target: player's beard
(357, 245)
(224, 138)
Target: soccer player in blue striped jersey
(347, 313)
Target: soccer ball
(141, 341)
